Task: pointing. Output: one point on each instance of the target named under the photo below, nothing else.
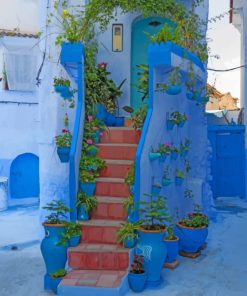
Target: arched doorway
(140, 41)
(24, 176)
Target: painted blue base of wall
(91, 291)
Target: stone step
(94, 283)
(116, 168)
(109, 208)
(98, 256)
(117, 151)
(100, 231)
(121, 135)
(111, 187)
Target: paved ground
(220, 271)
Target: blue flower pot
(155, 190)
(174, 90)
(178, 181)
(82, 214)
(190, 239)
(54, 284)
(163, 157)
(88, 188)
(174, 155)
(74, 241)
(110, 119)
(101, 112)
(169, 125)
(166, 182)
(63, 153)
(152, 247)
(72, 52)
(153, 156)
(60, 88)
(55, 256)
(184, 153)
(193, 96)
(92, 151)
(129, 243)
(172, 250)
(137, 281)
(181, 124)
(119, 121)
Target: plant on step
(64, 140)
(91, 163)
(61, 82)
(128, 231)
(90, 202)
(58, 211)
(178, 118)
(88, 176)
(154, 212)
(128, 203)
(89, 148)
(72, 229)
(138, 117)
(130, 178)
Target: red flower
(65, 131)
(102, 65)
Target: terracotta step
(109, 208)
(116, 168)
(91, 282)
(117, 151)
(121, 135)
(98, 256)
(111, 187)
(100, 231)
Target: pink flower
(89, 141)
(101, 134)
(95, 128)
(168, 144)
(90, 118)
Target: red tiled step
(121, 135)
(93, 278)
(111, 187)
(100, 231)
(98, 256)
(117, 151)
(116, 168)
(109, 208)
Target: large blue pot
(74, 241)
(174, 90)
(110, 119)
(152, 247)
(172, 250)
(55, 256)
(54, 284)
(101, 112)
(119, 121)
(82, 214)
(72, 52)
(137, 281)
(88, 188)
(63, 154)
(129, 242)
(190, 239)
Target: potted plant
(72, 234)
(166, 180)
(89, 148)
(154, 154)
(153, 213)
(127, 234)
(91, 163)
(137, 276)
(88, 181)
(128, 205)
(174, 86)
(55, 255)
(184, 148)
(164, 150)
(174, 152)
(172, 246)
(130, 178)
(56, 277)
(85, 205)
(63, 143)
(62, 86)
(156, 188)
(179, 177)
(178, 118)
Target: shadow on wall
(24, 176)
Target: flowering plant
(65, 139)
(164, 148)
(195, 220)
(61, 81)
(177, 117)
(138, 264)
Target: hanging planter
(154, 155)
(174, 90)
(74, 241)
(156, 188)
(170, 124)
(88, 188)
(166, 182)
(72, 52)
(63, 143)
(63, 154)
(62, 87)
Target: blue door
(140, 41)
(24, 176)
(228, 161)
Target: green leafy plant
(139, 117)
(143, 78)
(90, 203)
(179, 174)
(128, 203)
(163, 149)
(91, 163)
(128, 230)
(174, 79)
(65, 139)
(170, 234)
(61, 81)
(195, 220)
(88, 176)
(130, 178)
(71, 229)
(177, 117)
(58, 211)
(58, 273)
(137, 266)
(154, 212)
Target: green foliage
(139, 117)
(58, 273)
(195, 220)
(61, 81)
(163, 149)
(154, 212)
(128, 230)
(179, 174)
(91, 163)
(90, 203)
(88, 176)
(128, 203)
(65, 139)
(130, 178)
(177, 117)
(71, 229)
(170, 234)
(58, 211)
(143, 79)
